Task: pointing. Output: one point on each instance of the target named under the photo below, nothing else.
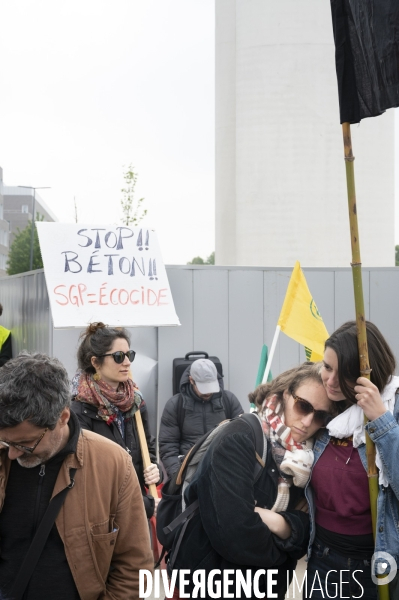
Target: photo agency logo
(383, 568)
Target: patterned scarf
(126, 399)
(294, 460)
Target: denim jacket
(384, 432)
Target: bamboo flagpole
(365, 370)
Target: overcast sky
(90, 86)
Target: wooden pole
(144, 450)
(365, 370)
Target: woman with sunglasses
(341, 529)
(106, 399)
(246, 523)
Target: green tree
(211, 259)
(132, 209)
(19, 253)
(397, 256)
(198, 260)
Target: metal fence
(229, 312)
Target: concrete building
(280, 173)
(18, 208)
(4, 231)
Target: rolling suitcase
(181, 364)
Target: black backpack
(170, 514)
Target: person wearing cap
(201, 404)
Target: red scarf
(126, 398)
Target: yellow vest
(4, 333)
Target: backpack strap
(260, 442)
(260, 446)
(193, 451)
(185, 517)
(182, 517)
(226, 405)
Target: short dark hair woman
(106, 398)
(246, 525)
(342, 533)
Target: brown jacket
(102, 522)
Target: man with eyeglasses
(100, 538)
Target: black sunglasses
(303, 407)
(119, 356)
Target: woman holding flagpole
(342, 543)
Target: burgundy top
(341, 492)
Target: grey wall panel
(16, 290)
(226, 311)
(344, 296)
(384, 294)
(26, 311)
(211, 316)
(245, 331)
(175, 341)
(271, 308)
(65, 346)
(36, 313)
(144, 340)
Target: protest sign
(113, 274)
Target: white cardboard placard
(112, 274)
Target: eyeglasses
(24, 448)
(303, 407)
(119, 356)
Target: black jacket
(89, 419)
(199, 417)
(227, 533)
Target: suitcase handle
(196, 353)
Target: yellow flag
(300, 319)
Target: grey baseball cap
(205, 375)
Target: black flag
(366, 34)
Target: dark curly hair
(96, 341)
(35, 388)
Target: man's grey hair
(34, 388)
